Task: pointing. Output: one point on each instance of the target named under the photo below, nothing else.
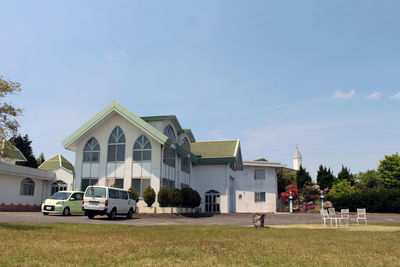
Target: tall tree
(302, 178)
(24, 145)
(286, 178)
(325, 177)
(367, 180)
(345, 174)
(40, 159)
(8, 113)
(389, 169)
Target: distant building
(297, 160)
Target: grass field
(105, 245)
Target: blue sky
(320, 74)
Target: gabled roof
(10, 151)
(58, 161)
(189, 133)
(216, 151)
(173, 118)
(108, 111)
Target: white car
(101, 200)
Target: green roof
(173, 118)
(189, 133)
(216, 151)
(11, 152)
(58, 161)
(115, 107)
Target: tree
(196, 199)
(8, 114)
(40, 159)
(286, 178)
(302, 177)
(149, 196)
(345, 174)
(176, 197)
(187, 195)
(342, 187)
(368, 180)
(134, 193)
(389, 169)
(325, 177)
(163, 196)
(24, 145)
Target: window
(169, 152)
(91, 151)
(87, 182)
(185, 144)
(142, 149)
(112, 193)
(259, 197)
(116, 145)
(170, 133)
(58, 186)
(140, 185)
(185, 164)
(169, 183)
(119, 183)
(77, 196)
(123, 195)
(259, 174)
(27, 187)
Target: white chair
(362, 215)
(332, 216)
(325, 215)
(345, 215)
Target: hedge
(163, 196)
(374, 200)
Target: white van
(101, 200)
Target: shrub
(176, 197)
(374, 200)
(196, 199)
(149, 196)
(113, 185)
(163, 196)
(187, 195)
(134, 193)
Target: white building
(24, 188)
(118, 147)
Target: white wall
(246, 185)
(211, 177)
(10, 188)
(64, 175)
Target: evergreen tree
(40, 159)
(24, 145)
(325, 177)
(302, 178)
(345, 174)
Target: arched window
(169, 152)
(169, 131)
(185, 161)
(91, 151)
(185, 144)
(27, 187)
(212, 201)
(116, 145)
(142, 149)
(58, 186)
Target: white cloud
(340, 94)
(395, 96)
(375, 95)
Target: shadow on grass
(23, 227)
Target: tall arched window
(142, 149)
(58, 186)
(169, 153)
(91, 151)
(116, 145)
(27, 187)
(185, 161)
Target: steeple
(297, 159)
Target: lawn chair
(362, 215)
(333, 216)
(325, 216)
(345, 215)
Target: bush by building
(149, 196)
(134, 193)
(163, 196)
(176, 198)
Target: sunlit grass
(104, 245)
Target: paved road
(167, 219)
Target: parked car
(63, 202)
(102, 200)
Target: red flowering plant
(291, 189)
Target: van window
(112, 193)
(123, 195)
(95, 192)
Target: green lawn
(104, 245)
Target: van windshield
(96, 192)
(60, 195)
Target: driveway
(168, 219)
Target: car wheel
(66, 212)
(112, 215)
(130, 214)
(90, 216)
(45, 213)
